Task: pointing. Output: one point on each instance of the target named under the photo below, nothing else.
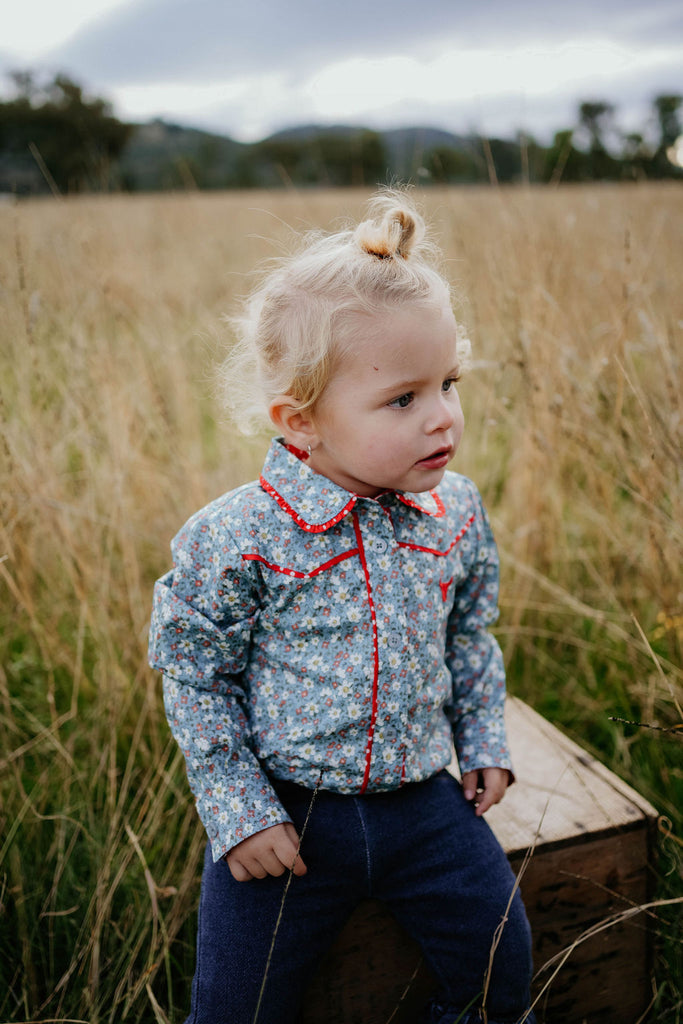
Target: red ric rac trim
(432, 551)
(375, 654)
(295, 572)
(309, 527)
(440, 507)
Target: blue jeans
(422, 850)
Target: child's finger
(238, 871)
(270, 863)
(470, 782)
(286, 847)
(485, 800)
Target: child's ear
(295, 424)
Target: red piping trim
(440, 507)
(295, 572)
(433, 551)
(309, 527)
(375, 654)
(299, 452)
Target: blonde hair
(296, 325)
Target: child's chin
(427, 482)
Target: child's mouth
(437, 460)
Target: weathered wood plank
(591, 834)
(570, 890)
(560, 789)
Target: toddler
(323, 642)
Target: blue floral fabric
(305, 628)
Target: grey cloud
(206, 39)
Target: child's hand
(485, 787)
(269, 852)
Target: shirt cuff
(235, 808)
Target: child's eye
(402, 402)
(449, 382)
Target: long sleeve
(203, 614)
(473, 655)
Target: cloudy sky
(249, 67)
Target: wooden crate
(591, 835)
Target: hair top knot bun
(312, 305)
(394, 231)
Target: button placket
(384, 564)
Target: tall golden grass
(110, 327)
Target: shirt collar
(316, 503)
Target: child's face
(390, 417)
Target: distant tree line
(53, 137)
(326, 158)
(603, 154)
(72, 141)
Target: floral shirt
(304, 627)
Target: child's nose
(444, 411)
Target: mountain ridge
(166, 154)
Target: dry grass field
(110, 328)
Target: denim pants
(420, 849)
